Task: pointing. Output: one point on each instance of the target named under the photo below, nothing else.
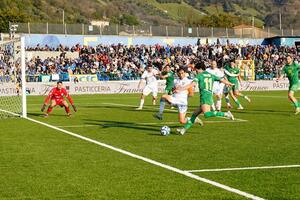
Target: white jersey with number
(217, 86)
(150, 77)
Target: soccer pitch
(118, 152)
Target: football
(165, 130)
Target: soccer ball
(165, 130)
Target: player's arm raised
(139, 85)
(191, 85)
(230, 74)
(163, 76)
(226, 82)
(143, 77)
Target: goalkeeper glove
(43, 107)
(74, 108)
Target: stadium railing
(144, 30)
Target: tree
(11, 15)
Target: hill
(224, 13)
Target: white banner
(123, 87)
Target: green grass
(41, 163)
(176, 11)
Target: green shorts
(294, 87)
(169, 90)
(206, 98)
(236, 86)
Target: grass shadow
(130, 125)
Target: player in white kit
(151, 85)
(218, 87)
(178, 99)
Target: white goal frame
(23, 71)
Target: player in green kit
(168, 74)
(233, 76)
(205, 82)
(291, 69)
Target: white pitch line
(153, 162)
(133, 106)
(11, 113)
(263, 96)
(244, 168)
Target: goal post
(13, 79)
(23, 77)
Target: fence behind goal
(12, 79)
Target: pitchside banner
(84, 78)
(123, 87)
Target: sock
(296, 104)
(67, 109)
(142, 103)
(244, 96)
(220, 114)
(214, 114)
(49, 110)
(188, 124)
(154, 102)
(193, 118)
(213, 107)
(237, 102)
(227, 99)
(218, 104)
(162, 106)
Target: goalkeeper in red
(291, 69)
(56, 97)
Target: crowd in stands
(121, 62)
(10, 68)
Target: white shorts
(181, 105)
(218, 88)
(150, 88)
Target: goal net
(247, 69)
(12, 79)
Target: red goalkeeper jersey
(58, 95)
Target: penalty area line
(153, 162)
(244, 168)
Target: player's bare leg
(189, 122)
(154, 100)
(236, 100)
(206, 109)
(227, 99)
(293, 99)
(213, 107)
(67, 108)
(165, 98)
(237, 93)
(182, 119)
(50, 108)
(219, 102)
(142, 101)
